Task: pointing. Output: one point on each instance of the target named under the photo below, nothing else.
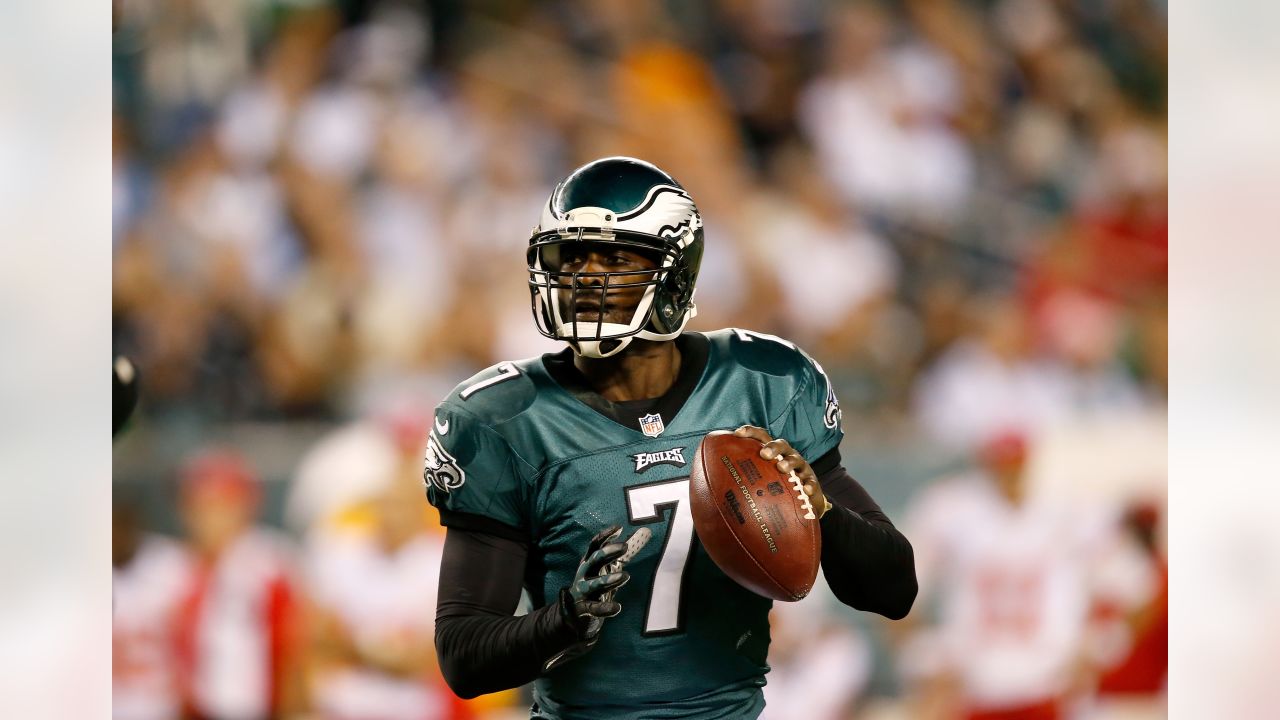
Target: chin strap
(593, 348)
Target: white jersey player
(150, 578)
(239, 624)
(373, 590)
(1010, 579)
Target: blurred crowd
(320, 214)
(316, 207)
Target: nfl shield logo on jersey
(651, 425)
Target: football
(755, 522)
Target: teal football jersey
(515, 446)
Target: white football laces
(804, 499)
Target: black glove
(588, 599)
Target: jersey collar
(694, 350)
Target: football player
(550, 473)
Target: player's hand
(589, 598)
(788, 460)
(591, 591)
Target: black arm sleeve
(483, 648)
(867, 562)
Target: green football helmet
(624, 202)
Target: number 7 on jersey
(648, 504)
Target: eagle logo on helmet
(667, 208)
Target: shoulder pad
(497, 393)
(760, 352)
(811, 415)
